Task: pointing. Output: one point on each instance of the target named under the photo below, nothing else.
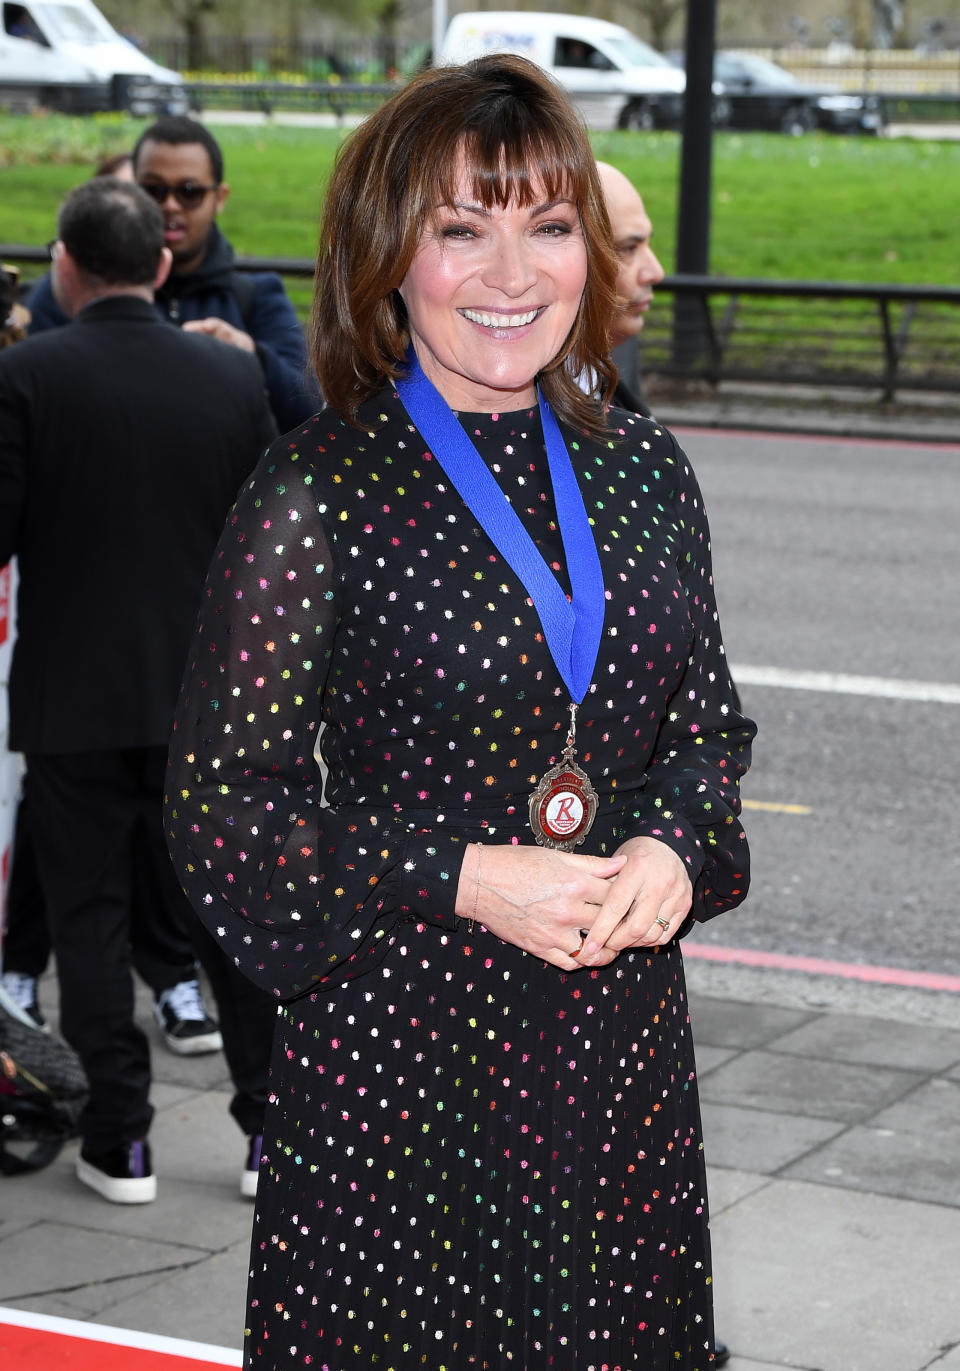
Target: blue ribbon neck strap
(572, 630)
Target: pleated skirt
(473, 1160)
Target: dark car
(751, 92)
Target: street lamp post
(693, 213)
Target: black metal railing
(886, 337)
(343, 97)
(338, 98)
(880, 337)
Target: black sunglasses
(188, 194)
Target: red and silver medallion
(564, 804)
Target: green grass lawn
(812, 208)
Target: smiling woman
(485, 602)
(495, 195)
(492, 295)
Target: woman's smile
(499, 320)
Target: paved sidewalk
(932, 417)
(833, 1138)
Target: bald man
(640, 270)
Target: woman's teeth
(499, 320)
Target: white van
(615, 80)
(65, 55)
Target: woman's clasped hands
(576, 910)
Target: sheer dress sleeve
(300, 895)
(692, 798)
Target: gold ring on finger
(579, 948)
(664, 923)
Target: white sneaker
(123, 1174)
(251, 1169)
(187, 1028)
(22, 989)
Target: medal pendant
(564, 804)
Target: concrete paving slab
(55, 1306)
(207, 1306)
(726, 1185)
(912, 417)
(786, 1084)
(932, 1108)
(208, 1072)
(210, 1216)
(51, 1257)
(836, 1280)
(709, 1058)
(10, 1226)
(760, 1140)
(763, 986)
(164, 1096)
(195, 1139)
(86, 1301)
(912, 1166)
(748, 1364)
(879, 1042)
(730, 1023)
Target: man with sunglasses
(179, 164)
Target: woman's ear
(163, 268)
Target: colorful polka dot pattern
(471, 1159)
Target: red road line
(793, 436)
(817, 966)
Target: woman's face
(491, 296)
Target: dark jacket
(625, 398)
(254, 302)
(123, 443)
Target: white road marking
(776, 807)
(841, 683)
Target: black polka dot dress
(471, 1159)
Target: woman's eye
(554, 230)
(456, 231)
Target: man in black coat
(123, 442)
(179, 163)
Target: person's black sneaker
(22, 989)
(187, 1028)
(251, 1170)
(121, 1174)
(721, 1353)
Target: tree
(888, 24)
(382, 14)
(659, 14)
(876, 23)
(190, 15)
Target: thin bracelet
(476, 894)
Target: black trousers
(96, 819)
(163, 950)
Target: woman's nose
(510, 266)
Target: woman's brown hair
(519, 136)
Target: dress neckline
(497, 416)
